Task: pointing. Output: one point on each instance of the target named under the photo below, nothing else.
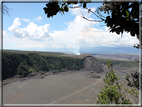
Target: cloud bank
(32, 31)
(79, 33)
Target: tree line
(128, 64)
(18, 63)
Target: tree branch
(89, 10)
(76, 7)
(5, 9)
(90, 20)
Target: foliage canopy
(113, 93)
(122, 16)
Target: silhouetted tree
(5, 9)
(122, 16)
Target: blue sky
(28, 28)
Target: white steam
(74, 48)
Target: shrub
(111, 93)
(23, 69)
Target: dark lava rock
(92, 64)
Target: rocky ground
(61, 86)
(42, 74)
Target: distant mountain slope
(126, 57)
(109, 50)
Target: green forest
(128, 64)
(23, 63)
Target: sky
(28, 28)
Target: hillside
(92, 64)
(24, 62)
(78, 81)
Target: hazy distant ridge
(124, 57)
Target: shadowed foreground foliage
(112, 93)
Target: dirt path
(52, 89)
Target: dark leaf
(118, 23)
(84, 5)
(132, 32)
(118, 30)
(66, 8)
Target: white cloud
(32, 31)
(4, 33)
(24, 44)
(26, 20)
(38, 19)
(79, 33)
(15, 25)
